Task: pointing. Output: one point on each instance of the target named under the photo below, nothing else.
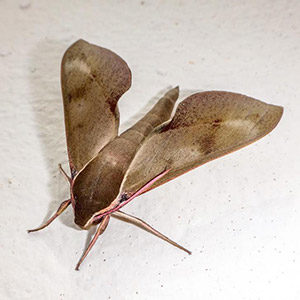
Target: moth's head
(87, 207)
(96, 218)
(95, 195)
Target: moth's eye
(73, 172)
(97, 221)
(124, 197)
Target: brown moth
(109, 170)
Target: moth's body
(107, 170)
(98, 184)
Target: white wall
(240, 215)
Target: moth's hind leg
(142, 224)
(61, 208)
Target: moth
(110, 170)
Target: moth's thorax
(98, 184)
(94, 189)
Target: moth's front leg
(61, 208)
(101, 228)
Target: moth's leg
(140, 223)
(61, 208)
(101, 228)
(64, 173)
(142, 190)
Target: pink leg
(140, 223)
(64, 173)
(61, 208)
(147, 186)
(100, 230)
(142, 190)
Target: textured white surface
(240, 215)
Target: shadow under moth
(109, 170)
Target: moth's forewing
(92, 79)
(205, 126)
(97, 186)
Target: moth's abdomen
(160, 113)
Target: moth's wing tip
(271, 117)
(81, 41)
(278, 110)
(281, 109)
(176, 91)
(172, 93)
(78, 43)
